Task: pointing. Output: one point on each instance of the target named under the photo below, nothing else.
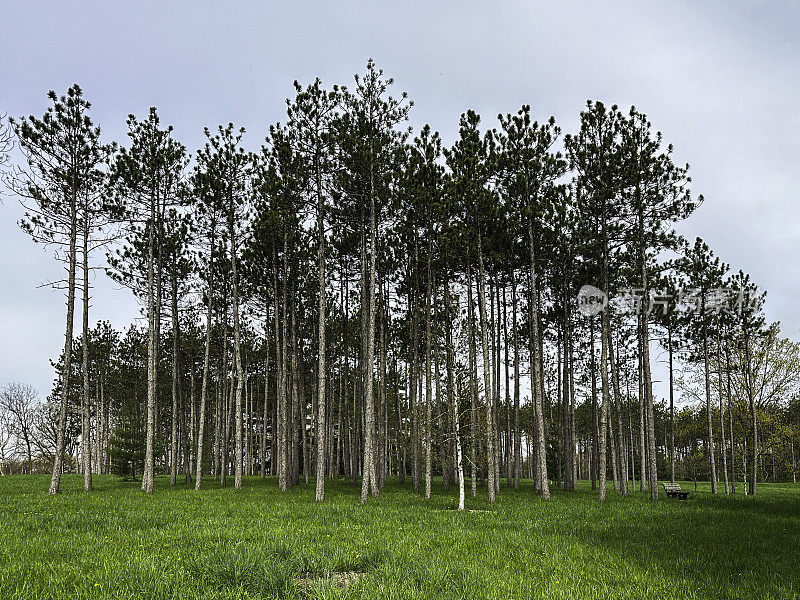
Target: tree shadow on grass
(708, 546)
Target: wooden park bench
(673, 490)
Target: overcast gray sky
(721, 79)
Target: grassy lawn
(115, 542)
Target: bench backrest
(671, 487)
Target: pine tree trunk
(295, 435)
(517, 431)
(441, 413)
(413, 397)
(602, 467)
(321, 440)
(671, 410)
(369, 482)
(487, 375)
(710, 430)
(753, 483)
(201, 423)
(652, 479)
(281, 350)
(449, 374)
(152, 348)
(227, 393)
(536, 371)
(622, 450)
(382, 392)
(723, 447)
(730, 419)
(646, 378)
(507, 461)
(87, 410)
(642, 404)
(248, 394)
(569, 446)
(237, 351)
(595, 458)
(428, 441)
(473, 384)
(175, 349)
(495, 345)
(262, 444)
(559, 402)
(457, 432)
(191, 435)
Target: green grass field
(116, 542)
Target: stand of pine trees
(358, 301)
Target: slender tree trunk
(487, 374)
(570, 481)
(595, 459)
(642, 404)
(201, 423)
(560, 373)
(622, 450)
(536, 370)
(723, 447)
(191, 437)
(646, 379)
(237, 350)
(152, 359)
(441, 412)
(175, 350)
(369, 482)
(382, 393)
(281, 350)
(730, 418)
(473, 385)
(262, 445)
(506, 365)
(295, 433)
(671, 410)
(87, 410)
(321, 441)
(448, 425)
(710, 431)
(753, 483)
(517, 432)
(413, 396)
(494, 296)
(459, 461)
(428, 443)
(604, 336)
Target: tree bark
(87, 410)
(517, 432)
(321, 440)
(428, 441)
(369, 482)
(487, 375)
(473, 385)
(201, 423)
(710, 430)
(175, 352)
(237, 348)
(152, 359)
(536, 369)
